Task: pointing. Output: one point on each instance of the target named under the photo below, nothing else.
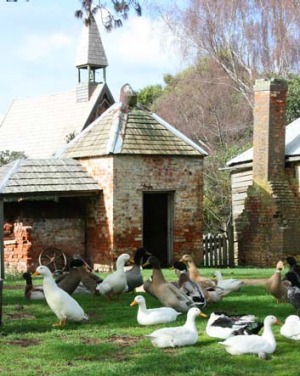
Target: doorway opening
(158, 225)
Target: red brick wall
(119, 213)
(269, 130)
(37, 225)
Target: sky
(39, 40)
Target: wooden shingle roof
(133, 130)
(39, 126)
(40, 177)
(91, 51)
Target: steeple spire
(90, 57)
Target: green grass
(112, 343)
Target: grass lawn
(112, 342)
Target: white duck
(180, 335)
(153, 316)
(229, 284)
(254, 344)
(291, 328)
(62, 304)
(115, 283)
(222, 325)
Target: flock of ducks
(188, 295)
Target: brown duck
(168, 294)
(276, 286)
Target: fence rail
(218, 251)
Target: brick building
(266, 182)
(128, 179)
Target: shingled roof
(130, 130)
(90, 51)
(39, 126)
(45, 177)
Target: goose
(32, 292)
(180, 335)
(194, 273)
(61, 303)
(277, 287)
(168, 294)
(188, 287)
(293, 266)
(222, 325)
(253, 344)
(293, 291)
(153, 316)
(291, 328)
(229, 284)
(115, 283)
(134, 275)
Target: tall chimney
(269, 130)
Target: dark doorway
(157, 225)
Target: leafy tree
(293, 99)
(8, 156)
(149, 94)
(217, 188)
(109, 20)
(203, 103)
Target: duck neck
(157, 276)
(48, 281)
(268, 334)
(190, 323)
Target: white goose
(62, 304)
(253, 344)
(179, 335)
(116, 282)
(291, 328)
(153, 316)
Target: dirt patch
(122, 341)
(24, 342)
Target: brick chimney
(269, 130)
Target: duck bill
(35, 274)
(133, 303)
(147, 263)
(278, 322)
(202, 314)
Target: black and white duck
(223, 325)
(188, 287)
(293, 291)
(134, 275)
(32, 292)
(293, 266)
